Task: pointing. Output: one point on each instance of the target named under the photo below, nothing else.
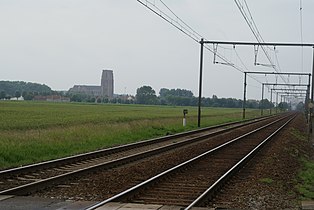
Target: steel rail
(175, 168)
(27, 188)
(211, 190)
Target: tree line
(172, 97)
(144, 95)
(28, 90)
(182, 97)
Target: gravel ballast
(267, 182)
(270, 180)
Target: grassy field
(37, 131)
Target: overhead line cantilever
(202, 42)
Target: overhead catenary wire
(189, 31)
(247, 69)
(253, 27)
(182, 26)
(257, 31)
(254, 24)
(168, 19)
(243, 64)
(181, 19)
(258, 36)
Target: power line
(245, 65)
(186, 30)
(168, 19)
(251, 17)
(181, 19)
(193, 34)
(253, 27)
(190, 32)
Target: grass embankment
(306, 174)
(33, 131)
(306, 188)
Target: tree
(283, 106)
(2, 95)
(17, 94)
(266, 104)
(252, 104)
(177, 96)
(300, 107)
(24, 94)
(11, 86)
(106, 100)
(146, 95)
(164, 92)
(28, 96)
(76, 98)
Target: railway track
(24, 180)
(195, 181)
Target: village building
(106, 89)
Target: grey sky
(65, 42)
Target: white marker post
(185, 111)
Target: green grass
(37, 131)
(306, 175)
(306, 188)
(266, 180)
(298, 134)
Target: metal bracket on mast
(255, 54)
(215, 46)
(256, 47)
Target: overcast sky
(66, 42)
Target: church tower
(107, 83)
